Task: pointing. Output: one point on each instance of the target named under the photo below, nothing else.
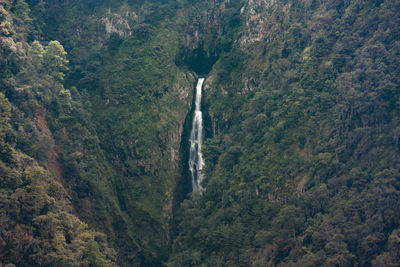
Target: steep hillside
(37, 224)
(89, 124)
(303, 167)
(301, 107)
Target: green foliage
(306, 159)
(21, 9)
(303, 102)
(5, 129)
(54, 60)
(5, 113)
(36, 52)
(115, 128)
(37, 225)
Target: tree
(22, 10)
(5, 127)
(35, 53)
(55, 60)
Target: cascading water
(196, 162)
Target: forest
(301, 105)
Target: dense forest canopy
(301, 105)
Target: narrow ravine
(196, 162)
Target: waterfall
(196, 162)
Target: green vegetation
(303, 138)
(303, 170)
(104, 118)
(37, 225)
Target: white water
(196, 162)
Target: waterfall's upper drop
(196, 162)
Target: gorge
(199, 133)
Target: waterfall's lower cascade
(196, 162)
